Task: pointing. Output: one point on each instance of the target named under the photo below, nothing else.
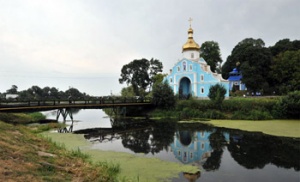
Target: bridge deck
(51, 105)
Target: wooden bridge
(45, 105)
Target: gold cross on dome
(190, 20)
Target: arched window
(202, 90)
(192, 55)
(184, 66)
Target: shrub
(288, 106)
(252, 115)
(217, 94)
(163, 95)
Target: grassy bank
(285, 128)
(26, 156)
(235, 109)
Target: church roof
(190, 44)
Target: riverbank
(284, 128)
(27, 156)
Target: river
(219, 154)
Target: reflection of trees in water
(162, 136)
(217, 143)
(153, 139)
(137, 141)
(257, 150)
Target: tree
(288, 106)
(217, 93)
(210, 52)
(127, 91)
(140, 73)
(255, 61)
(238, 54)
(12, 90)
(285, 71)
(155, 67)
(163, 95)
(36, 91)
(255, 68)
(285, 45)
(74, 93)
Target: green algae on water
(133, 167)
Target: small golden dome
(190, 44)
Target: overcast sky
(85, 43)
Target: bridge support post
(65, 112)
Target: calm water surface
(220, 154)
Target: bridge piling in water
(64, 112)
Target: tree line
(270, 70)
(38, 93)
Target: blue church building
(192, 76)
(234, 79)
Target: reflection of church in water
(193, 147)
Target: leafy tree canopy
(285, 45)
(217, 93)
(238, 54)
(140, 73)
(12, 90)
(254, 62)
(163, 95)
(286, 71)
(210, 52)
(127, 91)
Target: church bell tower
(191, 50)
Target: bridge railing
(80, 101)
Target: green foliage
(286, 71)
(235, 108)
(239, 54)
(139, 74)
(217, 94)
(112, 169)
(284, 45)
(210, 52)
(36, 116)
(252, 115)
(21, 118)
(163, 95)
(46, 93)
(288, 106)
(255, 66)
(127, 92)
(12, 90)
(273, 70)
(78, 154)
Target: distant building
(11, 96)
(191, 76)
(235, 82)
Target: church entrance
(184, 88)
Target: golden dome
(190, 44)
